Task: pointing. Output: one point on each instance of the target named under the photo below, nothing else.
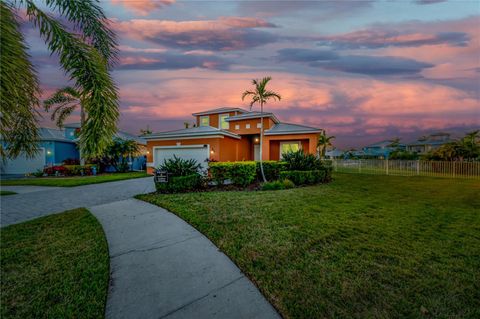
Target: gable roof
(253, 115)
(52, 134)
(220, 110)
(288, 128)
(199, 131)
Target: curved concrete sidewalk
(161, 267)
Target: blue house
(381, 149)
(56, 146)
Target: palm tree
(324, 141)
(261, 95)
(86, 52)
(64, 102)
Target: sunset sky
(362, 70)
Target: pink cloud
(143, 7)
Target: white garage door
(23, 165)
(200, 153)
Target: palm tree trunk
(82, 122)
(261, 142)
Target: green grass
(360, 247)
(73, 181)
(54, 267)
(5, 193)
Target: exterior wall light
(49, 152)
(256, 140)
(212, 151)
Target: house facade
(428, 143)
(230, 134)
(381, 149)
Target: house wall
(267, 123)
(213, 118)
(63, 150)
(271, 144)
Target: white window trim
(220, 121)
(200, 120)
(237, 127)
(247, 125)
(289, 142)
(259, 125)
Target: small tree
(324, 141)
(261, 95)
(119, 151)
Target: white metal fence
(409, 168)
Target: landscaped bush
(71, 161)
(239, 173)
(179, 184)
(276, 185)
(69, 170)
(180, 167)
(300, 161)
(271, 169)
(307, 177)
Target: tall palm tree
(86, 52)
(261, 95)
(324, 141)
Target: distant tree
(186, 124)
(323, 143)
(260, 95)
(145, 131)
(467, 148)
(394, 142)
(118, 152)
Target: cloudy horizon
(363, 70)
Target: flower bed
(69, 170)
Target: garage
(199, 153)
(22, 164)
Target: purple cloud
(429, 1)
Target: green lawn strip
(73, 181)
(5, 193)
(54, 267)
(362, 246)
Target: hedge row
(69, 170)
(307, 177)
(239, 173)
(179, 184)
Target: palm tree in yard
(86, 51)
(260, 96)
(324, 141)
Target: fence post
(418, 167)
(386, 165)
(360, 166)
(454, 167)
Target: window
(204, 120)
(259, 125)
(286, 147)
(247, 125)
(237, 127)
(222, 123)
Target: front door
(256, 152)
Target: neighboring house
(428, 143)
(57, 145)
(381, 149)
(230, 134)
(335, 153)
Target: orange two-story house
(230, 134)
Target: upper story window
(204, 120)
(222, 122)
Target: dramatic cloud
(429, 1)
(171, 61)
(143, 7)
(305, 55)
(225, 34)
(374, 39)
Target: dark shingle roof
(287, 128)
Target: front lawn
(5, 193)
(362, 246)
(54, 267)
(73, 181)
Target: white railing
(409, 168)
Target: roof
(220, 110)
(52, 134)
(252, 115)
(384, 143)
(72, 125)
(287, 128)
(120, 134)
(199, 131)
(427, 142)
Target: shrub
(307, 177)
(300, 161)
(71, 161)
(271, 169)
(179, 184)
(76, 170)
(276, 185)
(180, 167)
(239, 173)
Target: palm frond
(19, 90)
(90, 19)
(273, 95)
(247, 93)
(63, 113)
(90, 71)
